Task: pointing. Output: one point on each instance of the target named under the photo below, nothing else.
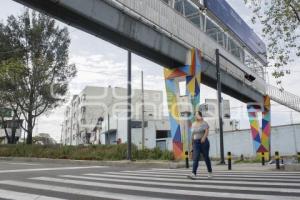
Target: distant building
(211, 115)
(98, 115)
(94, 106)
(157, 131)
(9, 123)
(284, 139)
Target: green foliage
(34, 69)
(153, 154)
(280, 20)
(93, 152)
(256, 160)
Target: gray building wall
(285, 139)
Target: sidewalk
(155, 164)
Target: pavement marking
(166, 190)
(18, 163)
(222, 187)
(77, 191)
(48, 169)
(198, 180)
(223, 175)
(7, 194)
(226, 171)
(202, 175)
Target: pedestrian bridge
(165, 31)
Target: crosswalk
(155, 184)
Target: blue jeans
(204, 150)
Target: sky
(100, 63)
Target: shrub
(92, 152)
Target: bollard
(263, 158)
(277, 158)
(229, 160)
(298, 157)
(187, 159)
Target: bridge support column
(191, 74)
(261, 138)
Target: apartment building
(94, 106)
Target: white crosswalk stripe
(222, 171)
(48, 169)
(183, 179)
(7, 194)
(228, 177)
(167, 190)
(69, 190)
(223, 175)
(159, 184)
(282, 190)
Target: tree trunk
(13, 129)
(5, 130)
(29, 128)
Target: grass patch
(92, 152)
(256, 160)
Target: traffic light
(249, 77)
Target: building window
(179, 6)
(163, 134)
(83, 98)
(138, 124)
(157, 97)
(190, 8)
(83, 110)
(215, 32)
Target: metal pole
(108, 134)
(186, 159)
(263, 158)
(277, 157)
(129, 107)
(61, 133)
(219, 89)
(229, 161)
(143, 113)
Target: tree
(34, 69)
(280, 20)
(43, 139)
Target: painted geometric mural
(191, 74)
(261, 138)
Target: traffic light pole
(219, 89)
(247, 76)
(129, 107)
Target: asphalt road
(33, 180)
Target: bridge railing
(284, 97)
(167, 20)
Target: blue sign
(224, 12)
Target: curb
(292, 167)
(121, 163)
(151, 164)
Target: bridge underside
(107, 22)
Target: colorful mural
(191, 74)
(261, 139)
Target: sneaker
(192, 176)
(210, 175)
